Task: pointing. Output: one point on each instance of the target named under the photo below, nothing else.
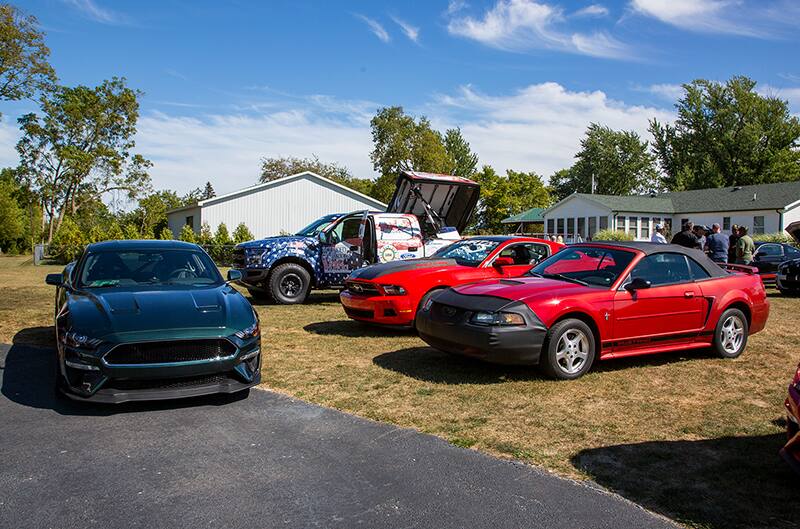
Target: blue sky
(227, 83)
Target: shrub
(68, 243)
(774, 237)
(612, 235)
(206, 237)
(166, 234)
(131, 232)
(221, 250)
(187, 234)
(242, 234)
(114, 233)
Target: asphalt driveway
(266, 461)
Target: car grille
(165, 352)
(174, 383)
(238, 258)
(362, 289)
(359, 313)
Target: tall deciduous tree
(465, 162)
(24, 66)
(610, 162)
(404, 143)
(79, 148)
(727, 134)
(151, 213)
(504, 196)
(275, 168)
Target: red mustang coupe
(791, 450)
(600, 300)
(390, 293)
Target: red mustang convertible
(390, 293)
(601, 300)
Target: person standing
(700, 233)
(686, 237)
(745, 247)
(658, 235)
(717, 245)
(733, 238)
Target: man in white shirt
(658, 235)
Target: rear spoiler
(730, 267)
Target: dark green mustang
(149, 320)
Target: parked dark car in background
(151, 320)
(787, 274)
(769, 256)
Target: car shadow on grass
(315, 297)
(28, 369)
(724, 482)
(430, 365)
(354, 329)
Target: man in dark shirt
(686, 237)
(733, 238)
(717, 245)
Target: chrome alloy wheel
(731, 334)
(572, 351)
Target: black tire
(732, 323)
(289, 284)
(577, 359)
(428, 295)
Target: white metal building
(765, 208)
(284, 205)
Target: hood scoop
(510, 282)
(206, 301)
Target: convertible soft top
(650, 248)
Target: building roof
(531, 215)
(738, 198)
(280, 181)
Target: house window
(620, 223)
(667, 227)
(592, 227)
(560, 226)
(571, 227)
(582, 226)
(604, 223)
(758, 224)
(726, 223)
(632, 226)
(645, 227)
(551, 224)
(190, 221)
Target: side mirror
(323, 237)
(234, 275)
(56, 280)
(637, 284)
(500, 262)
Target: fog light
(84, 367)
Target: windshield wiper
(565, 278)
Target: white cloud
(454, 6)
(412, 32)
(91, 10)
(762, 18)
(376, 28)
(522, 25)
(593, 10)
(789, 94)
(667, 91)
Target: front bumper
(253, 278)
(791, 450)
(382, 310)
(787, 281)
(87, 378)
(454, 333)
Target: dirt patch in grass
(687, 434)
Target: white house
(764, 208)
(284, 205)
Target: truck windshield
(313, 229)
(469, 252)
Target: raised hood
(437, 200)
(793, 229)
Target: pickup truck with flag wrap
(427, 212)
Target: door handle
(688, 294)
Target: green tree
(12, 217)
(114, 232)
(403, 143)
(614, 162)
(275, 168)
(151, 211)
(69, 242)
(220, 249)
(206, 236)
(242, 234)
(80, 148)
(727, 134)
(465, 162)
(187, 234)
(208, 191)
(504, 196)
(166, 234)
(131, 232)
(24, 66)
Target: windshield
(590, 266)
(313, 229)
(148, 267)
(469, 252)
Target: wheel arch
(742, 306)
(588, 320)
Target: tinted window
(698, 272)
(792, 252)
(148, 267)
(469, 252)
(594, 266)
(315, 227)
(663, 269)
(768, 250)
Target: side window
(792, 252)
(526, 253)
(663, 269)
(347, 229)
(698, 272)
(395, 229)
(770, 250)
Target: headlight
(497, 318)
(393, 290)
(250, 332)
(79, 341)
(255, 257)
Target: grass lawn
(686, 435)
